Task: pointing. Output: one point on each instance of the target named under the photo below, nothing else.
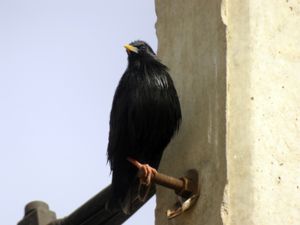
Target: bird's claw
(146, 172)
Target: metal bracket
(185, 202)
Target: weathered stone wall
(260, 137)
(192, 41)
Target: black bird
(145, 115)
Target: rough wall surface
(191, 39)
(263, 101)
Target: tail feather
(124, 188)
(135, 194)
(130, 197)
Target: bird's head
(139, 50)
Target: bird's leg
(147, 172)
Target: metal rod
(168, 182)
(184, 186)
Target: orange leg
(146, 171)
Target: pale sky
(60, 62)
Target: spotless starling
(144, 117)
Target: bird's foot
(146, 172)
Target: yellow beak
(131, 48)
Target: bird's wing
(154, 115)
(118, 122)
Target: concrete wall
(192, 41)
(261, 134)
(263, 119)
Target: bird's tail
(123, 189)
(130, 198)
(136, 194)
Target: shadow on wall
(192, 43)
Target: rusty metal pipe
(184, 186)
(169, 182)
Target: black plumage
(145, 115)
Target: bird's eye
(142, 47)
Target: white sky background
(60, 62)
